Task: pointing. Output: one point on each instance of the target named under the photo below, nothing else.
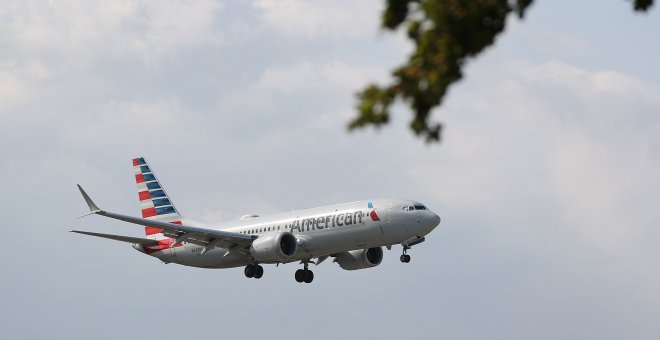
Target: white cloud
(168, 26)
(148, 29)
(11, 91)
(559, 163)
(320, 20)
(560, 136)
(307, 76)
(332, 84)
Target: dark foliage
(446, 34)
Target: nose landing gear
(405, 258)
(407, 244)
(304, 275)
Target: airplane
(353, 233)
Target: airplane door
(387, 214)
(386, 219)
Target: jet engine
(360, 259)
(274, 247)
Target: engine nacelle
(360, 259)
(274, 247)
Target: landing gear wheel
(309, 276)
(300, 275)
(405, 258)
(249, 271)
(259, 271)
(304, 275)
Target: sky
(546, 178)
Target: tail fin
(154, 202)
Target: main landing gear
(254, 271)
(305, 275)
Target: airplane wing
(207, 238)
(142, 241)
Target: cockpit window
(419, 207)
(405, 208)
(411, 208)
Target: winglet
(93, 209)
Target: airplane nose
(436, 219)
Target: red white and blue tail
(154, 202)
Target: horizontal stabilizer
(208, 238)
(177, 229)
(138, 240)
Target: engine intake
(274, 247)
(360, 259)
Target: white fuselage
(322, 231)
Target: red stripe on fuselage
(135, 162)
(139, 178)
(162, 245)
